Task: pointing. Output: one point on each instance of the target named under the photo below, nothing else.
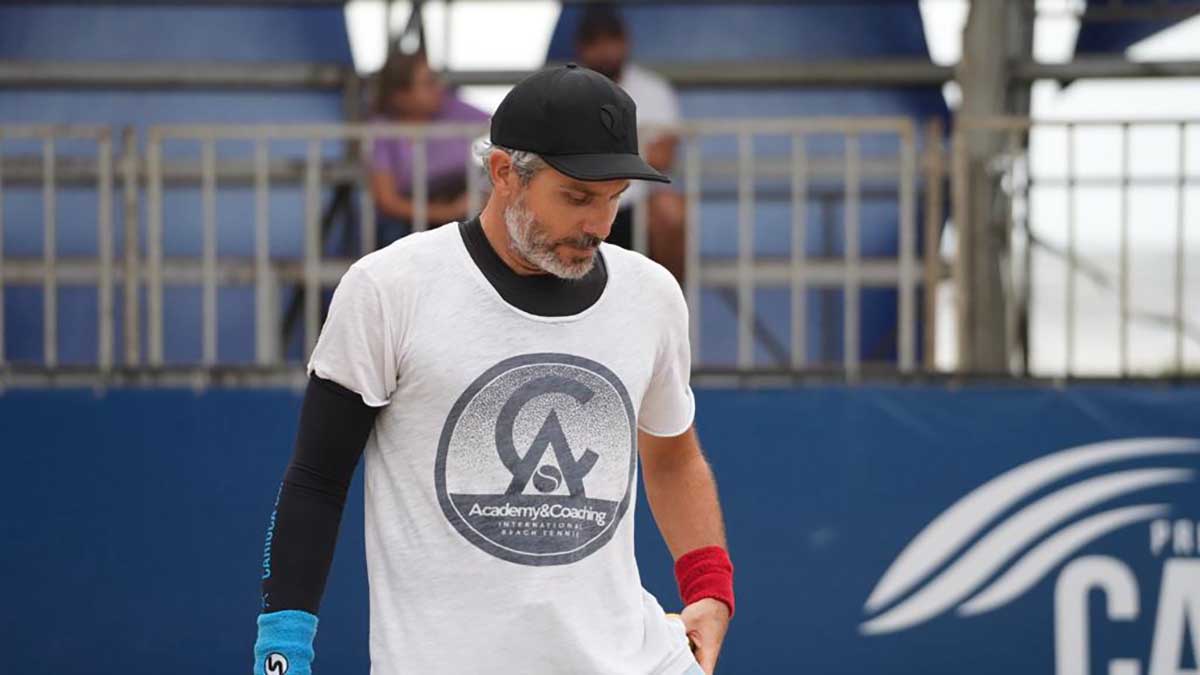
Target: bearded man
(505, 375)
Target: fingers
(704, 652)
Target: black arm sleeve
(334, 426)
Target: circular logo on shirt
(536, 461)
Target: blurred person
(505, 375)
(602, 44)
(410, 92)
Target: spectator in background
(410, 92)
(602, 44)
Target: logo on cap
(613, 120)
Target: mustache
(586, 241)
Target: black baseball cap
(578, 121)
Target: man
(602, 44)
(506, 374)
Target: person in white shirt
(602, 44)
(508, 376)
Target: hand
(706, 621)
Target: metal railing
(1076, 238)
(747, 162)
(45, 271)
(313, 272)
(798, 272)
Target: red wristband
(705, 573)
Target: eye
(577, 200)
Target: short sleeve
(656, 101)
(669, 406)
(379, 157)
(356, 347)
(392, 156)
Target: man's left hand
(706, 621)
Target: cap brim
(613, 166)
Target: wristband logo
(536, 459)
(276, 664)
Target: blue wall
(133, 523)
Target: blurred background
(942, 259)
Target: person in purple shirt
(410, 92)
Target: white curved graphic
(967, 517)
(1045, 556)
(982, 560)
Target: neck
(494, 228)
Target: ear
(504, 178)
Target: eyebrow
(580, 187)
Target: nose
(599, 223)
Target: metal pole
(366, 200)
(1070, 308)
(129, 179)
(959, 184)
(447, 33)
(934, 218)
(208, 190)
(1027, 291)
(641, 230)
(1180, 247)
(104, 301)
(850, 319)
(886, 72)
(312, 245)
(691, 274)
(420, 186)
(352, 98)
(50, 255)
(474, 184)
(335, 131)
(745, 262)
(799, 307)
(264, 335)
(1011, 308)
(389, 9)
(1123, 327)
(154, 247)
(908, 241)
(997, 36)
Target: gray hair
(525, 163)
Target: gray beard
(527, 239)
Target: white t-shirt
(656, 104)
(500, 478)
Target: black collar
(541, 294)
